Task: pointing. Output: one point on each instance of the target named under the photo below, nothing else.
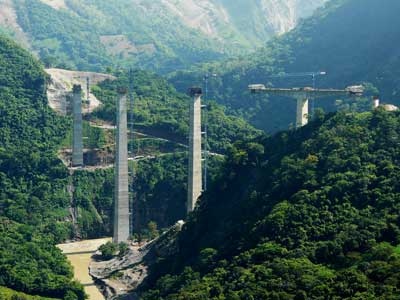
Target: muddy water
(80, 256)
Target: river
(80, 256)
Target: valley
(187, 150)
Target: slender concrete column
(302, 112)
(195, 169)
(121, 198)
(77, 139)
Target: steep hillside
(60, 86)
(161, 35)
(354, 41)
(33, 197)
(250, 22)
(306, 214)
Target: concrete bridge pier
(195, 157)
(121, 197)
(77, 139)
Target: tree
(108, 250)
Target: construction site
(123, 143)
(70, 95)
(119, 150)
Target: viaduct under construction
(122, 207)
(122, 213)
(121, 199)
(121, 231)
(303, 95)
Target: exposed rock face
(60, 87)
(248, 23)
(248, 19)
(8, 21)
(56, 4)
(282, 16)
(120, 277)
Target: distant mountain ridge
(354, 41)
(254, 20)
(161, 35)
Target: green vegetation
(163, 112)
(108, 251)
(33, 194)
(337, 39)
(111, 250)
(7, 294)
(161, 122)
(123, 249)
(93, 35)
(156, 35)
(93, 196)
(160, 195)
(152, 230)
(305, 214)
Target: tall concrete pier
(121, 197)
(195, 168)
(77, 139)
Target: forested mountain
(311, 213)
(161, 35)
(33, 195)
(305, 214)
(34, 198)
(354, 41)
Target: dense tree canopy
(33, 196)
(94, 35)
(306, 214)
